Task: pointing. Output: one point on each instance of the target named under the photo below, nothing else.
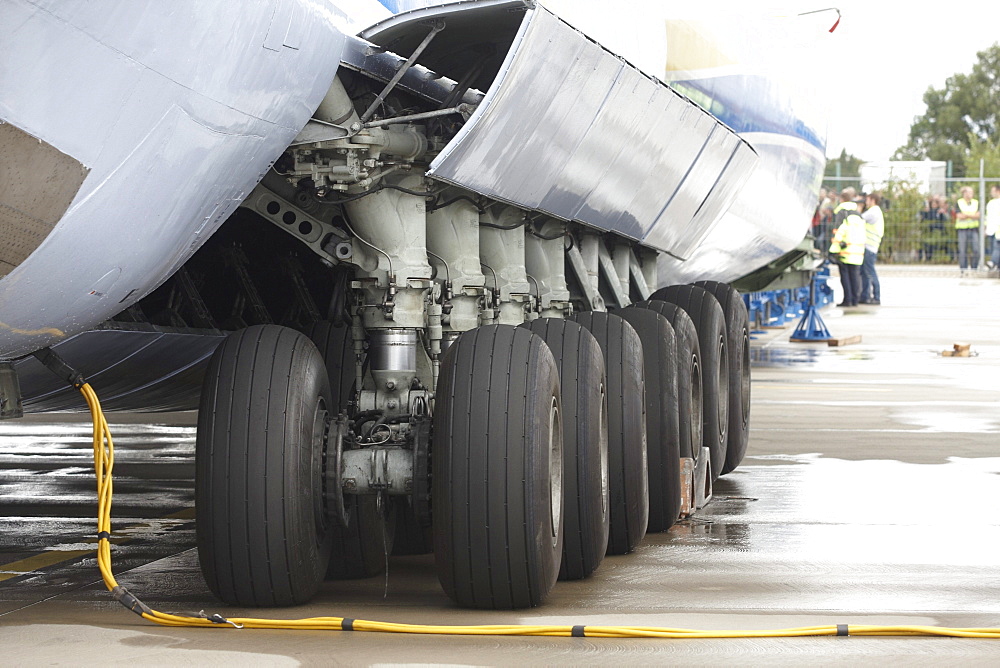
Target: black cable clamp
(125, 597)
(216, 618)
(346, 624)
(103, 535)
(842, 630)
(59, 367)
(579, 631)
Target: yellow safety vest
(967, 207)
(849, 239)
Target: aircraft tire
(585, 443)
(628, 484)
(360, 549)
(710, 322)
(263, 540)
(659, 353)
(410, 537)
(497, 469)
(689, 393)
(738, 335)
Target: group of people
(850, 228)
(967, 218)
(857, 229)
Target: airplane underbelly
(147, 153)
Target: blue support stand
(811, 327)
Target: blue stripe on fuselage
(749, 103)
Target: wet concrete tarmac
(868, 496)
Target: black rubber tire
(360, 549)
(585, 443)
(689, 392)
(337, 348)
(710, 322)
(738, 334)
(497, 469)
(659, 352)
(263, 539)
(628, 485)
(410, 537)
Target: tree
(847, 167)
(959, 116)
(989, 152)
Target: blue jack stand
(811, 329)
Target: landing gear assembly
(468, 392)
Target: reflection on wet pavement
(48, 497)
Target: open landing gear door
(572, 130)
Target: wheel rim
(604, 456)
(696, 414)
(555, 469)
(317, 449)
(723, 383)
(745, 378)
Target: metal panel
(771, 215)
(176, 108)
(572, 130)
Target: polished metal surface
(868, 496)
(393, 350)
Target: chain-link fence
(919, 226)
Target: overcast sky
(899, 49)
(891, 49)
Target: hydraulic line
(104, 462)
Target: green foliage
(908, 237)
(847, 167)
(850, 165)
(959, 116)
(989, 152)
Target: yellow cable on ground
(104, 462)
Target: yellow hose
(104, 462)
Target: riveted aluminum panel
(571, 130)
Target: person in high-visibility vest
(967, 227)
(848, 245)
(993, 224)
(871, 291)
